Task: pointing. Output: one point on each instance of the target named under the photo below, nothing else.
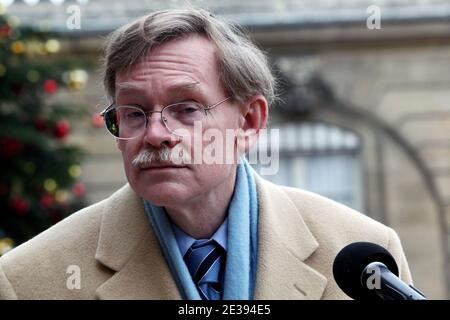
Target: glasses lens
(183, 115)
(111, 122)
(125, 122)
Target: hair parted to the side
(243, 68)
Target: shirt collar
(185, 241)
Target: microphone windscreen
(350, 263)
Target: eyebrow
(176, 88)
(185, 86)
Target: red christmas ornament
(5, 31)
(46, 201)
(40, 124)
(62, 128)
(79, 189)
(19, 205)
(50, 86)
(10, 147)
(97, 120)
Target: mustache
(163, 155)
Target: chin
(163, 194)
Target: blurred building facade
(366, 112)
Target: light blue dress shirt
(185, 241)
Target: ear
(254, 114)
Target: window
(318, 157)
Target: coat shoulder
(334, 221)
(74, 230)
(46, 259)
(334, 226)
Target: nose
(157, 134)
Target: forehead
(191, 59)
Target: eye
(189, 109)
(134, 114)
(185, 108)
(131, 112)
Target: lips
(161, 166)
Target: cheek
(130, 150)
(217, 175)
(212, 174)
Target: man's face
(179, 70)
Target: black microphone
(367, 271)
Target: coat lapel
(285, 243)
(128, 246)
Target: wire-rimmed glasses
(128, 122)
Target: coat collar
(123, 227)
(285, 243)
(128, 246)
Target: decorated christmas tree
(39, 169)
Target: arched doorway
(318, 157)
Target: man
(184, 228)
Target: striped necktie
(205, 260)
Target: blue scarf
(240, 269)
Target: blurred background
(365, 118)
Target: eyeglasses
(128, 122)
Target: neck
(201, 217)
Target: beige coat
(119, 257)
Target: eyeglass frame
(148, 113)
